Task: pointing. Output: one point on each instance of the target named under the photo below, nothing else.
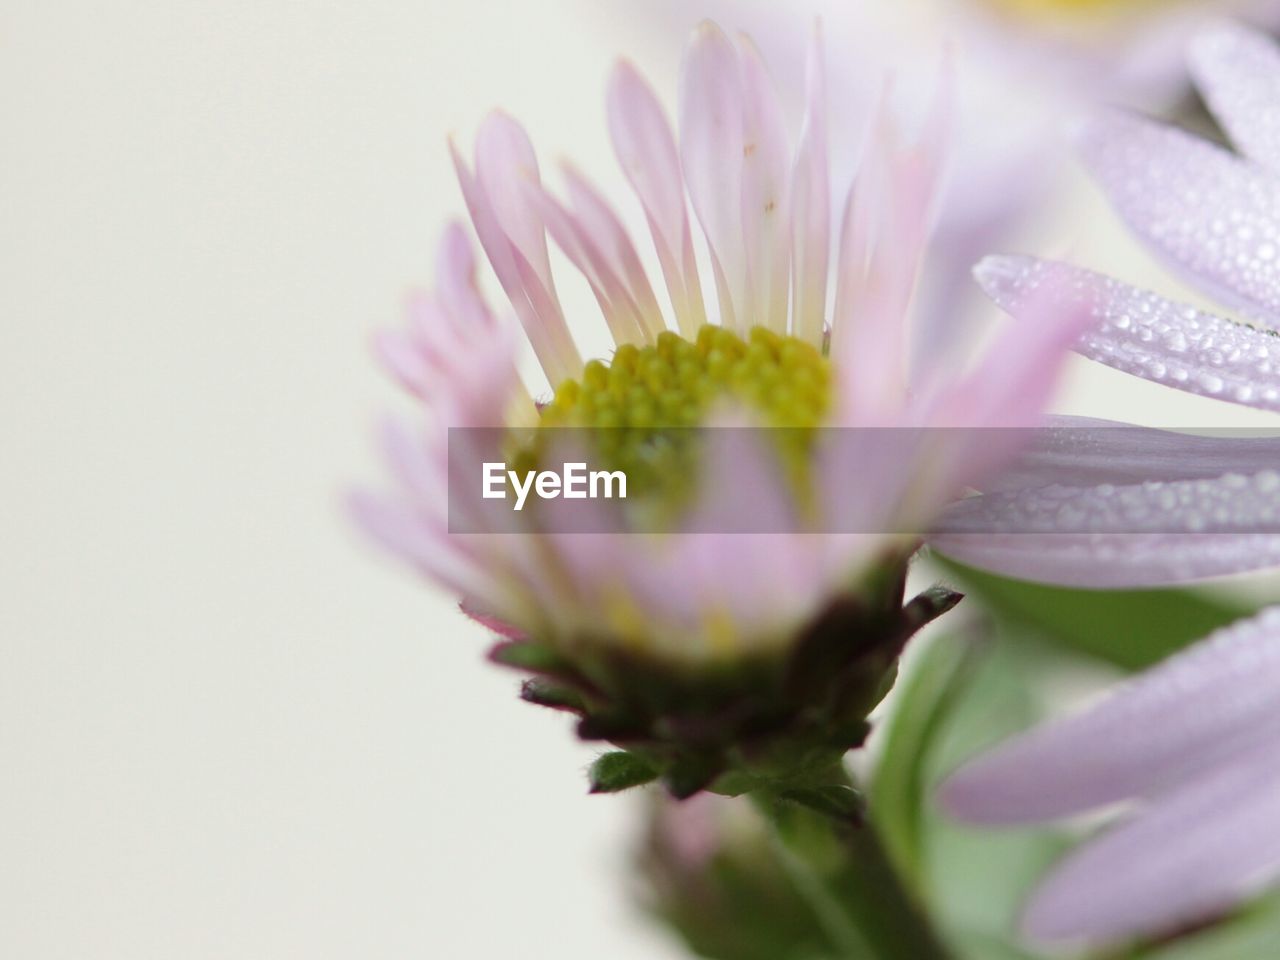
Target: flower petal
(712, 140)
(1238, 72)
(1215, 216)
(646, 150)
(1144, 334)
(1191, 712)
(540, 316)
(597, 218)
(886, 228)
(766, 201)
(505, 162)
(981, 422)
(758, 581)
(456, 281)
(397, 526)
(621, 312)
(811, 206)
(1192, 857)
(1111, 536)
(1119, 536)
(1082, 451)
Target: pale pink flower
(1023, 66)
(1215, 216)
(765, 212)
(1192, 742)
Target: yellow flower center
(640, 406)
(1052, 9)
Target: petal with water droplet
(1213, 215)
(1194, 855)
(1083, 451)
(1143, 333)
(1191, 712)
(1238, 72)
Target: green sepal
(547, 693)
(690, 774)
(851, 735)
(840, 802)
(611, 726)
(529, 655)
(928, 606)
(620, 770)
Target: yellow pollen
(639, 406)
(1077, 8)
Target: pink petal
(989, 410)
(1238, 72)
(456, 279)
(1118, 561)
(646, 150)
(1195, 710)
(539, 314)
(1233, 503)
(596, 217)
(621, 312)
(737, 573)
(401, 358)
(811, 206)
(766, 214)
(1081, 451)
(885, 234)
(490, 622)
(1192, 857)
(741, 485)
(505, 163)
(865, 474)
(1119, 536)
(1210, 213)
(1146, 335)
(398, 528)
(868, 346)
(420, 466)
(711, 150)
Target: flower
(1192, 741)
(1126, 50)
(682, 646)
(1190, 507)
(1029, 63)
(711, 869)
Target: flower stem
(838, 864)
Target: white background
(228, 729)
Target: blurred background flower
(1028, 68)
(1194, 740)
(226, 731)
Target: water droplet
(1211, 383)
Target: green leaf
(977, 880)
(620, 770)
(922, 703)
(1129, 628)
